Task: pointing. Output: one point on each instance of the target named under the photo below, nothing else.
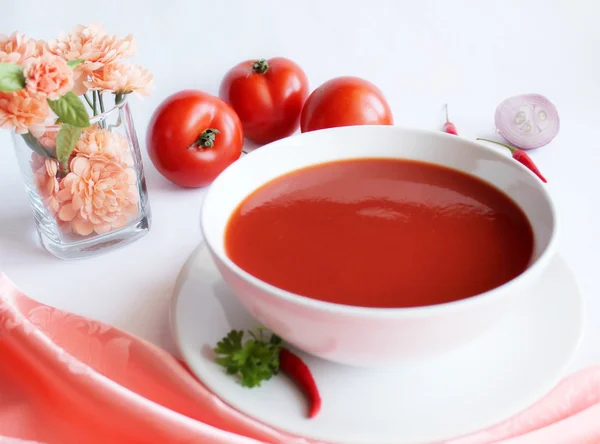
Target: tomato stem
(260, 66)
(206, 139)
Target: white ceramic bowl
(377, 336)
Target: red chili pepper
(297, 370)
(449, 127)
(259, 358)
(520, 156)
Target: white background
(470, 53)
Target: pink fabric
(67, 379)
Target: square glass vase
(97, 201)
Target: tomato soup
(380, 233)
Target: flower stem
(101, 100)
(64, 169)
(94, 104)
(87, 99)
(101, 122)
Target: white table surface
(469, 53)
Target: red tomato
(345, 101)
(267, 95)
(192, 137)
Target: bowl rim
(530, 272)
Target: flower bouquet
(65, 101)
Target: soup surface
(380, 233)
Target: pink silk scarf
(68, 379)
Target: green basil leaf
(74, 63)
(65, 142)
(71, 110)
(11, 77)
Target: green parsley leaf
(253, 361)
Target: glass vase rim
(95, 119)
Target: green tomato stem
(260, 66)
(206, 139)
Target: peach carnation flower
(46, 181)
(17, 48)
(122, 78)
(112, 144)
(48, 139)
(48, 76)
(97, 195)
(93, 45)
(20, 110)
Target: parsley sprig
(254, 360)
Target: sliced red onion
(527, 121)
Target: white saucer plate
(476, 386)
